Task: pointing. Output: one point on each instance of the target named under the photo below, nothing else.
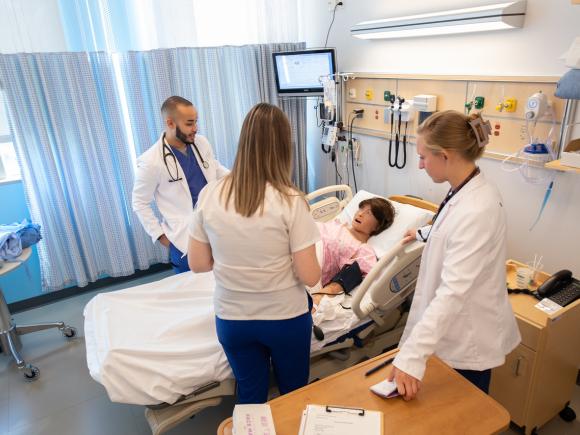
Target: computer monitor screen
(298, 72)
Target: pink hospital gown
(340, 248)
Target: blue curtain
(223, 83)
(66, 119)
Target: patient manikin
(344, 244)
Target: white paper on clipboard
(337, 420)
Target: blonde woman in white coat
(460, 311)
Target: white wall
(549, 29)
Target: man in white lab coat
(171, 173)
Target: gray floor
(65, 400)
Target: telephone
(561, 288)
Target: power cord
(351, 149)
(331, 23)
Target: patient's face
(364, 220)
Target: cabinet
(539, 376)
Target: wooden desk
(446, 403)
(538, 378)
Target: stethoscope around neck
(167, 152)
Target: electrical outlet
(332, 4)
(352, 93)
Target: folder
(338, 420)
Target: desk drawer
(530, 333)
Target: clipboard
(339, 420)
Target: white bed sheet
(155, 342)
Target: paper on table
(386, 389)
(255, 419)
(335, 420)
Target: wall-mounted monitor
(298, 72)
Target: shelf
(9, 266)
(560, 167)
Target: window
(9, 168)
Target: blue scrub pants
(179, 264)
(252, 345)
(480, 379)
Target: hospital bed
(156, 344)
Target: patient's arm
(199, 256)
(329, 290)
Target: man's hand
(410, 236)
(407, 385)
(164, 240)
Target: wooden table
(538, 378)
(446, 403)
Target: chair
(10, 333)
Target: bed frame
(380, 298)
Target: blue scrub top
(193, 173)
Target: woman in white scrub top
(254, 229)
(460, 310)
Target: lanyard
(452, 193)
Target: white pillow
(406, 216)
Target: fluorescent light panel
(479, 19)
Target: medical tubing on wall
(525, 167)
(544, 202)
(351, 149)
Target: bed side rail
(414, 201)
(390, 281)
(328, 208)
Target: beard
(182, 136)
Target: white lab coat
(460, 310)
(173, 199)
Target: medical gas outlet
(478, 103)
(508, 105)
(369, 94)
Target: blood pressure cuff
(349, 277)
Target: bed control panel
(406, 276)
(325, 210)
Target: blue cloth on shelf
(16, 237)
(568, 86)
(10, 246)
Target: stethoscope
(167, 152)
(394, 159)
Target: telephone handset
(561, 288)
(554, 283)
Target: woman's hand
(407, 385)
(410, 236)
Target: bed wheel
(567, 414)
(69, 332)
(31, 373)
